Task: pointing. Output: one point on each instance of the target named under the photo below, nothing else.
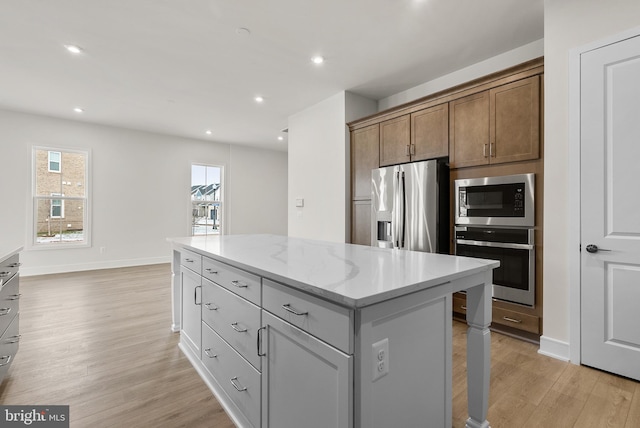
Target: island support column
(479, 352)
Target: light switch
(299, 202)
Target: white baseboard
(554, 348)
(45, 270)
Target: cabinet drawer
(232, 317)
(324, 320)
(9, 302)
(459, 305)
(9, 346)
(191, 260)
(233, 373)
(8, 268)
(517, 320)
(243, 283)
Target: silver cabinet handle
(7, 357)
(239, 330)
(195, 295)
(14, 265)
(287, 307)
(211, 271)
(211, 306)
(210, 354)
(14, 339)
(239, 284)
(4, 273)
(235, 385)
(188, 260)
(259, 343)
(463, 307)
(14, 297)
(4, 311)
(512, 320)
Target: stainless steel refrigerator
(410, 206)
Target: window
(206, 200)
(54, 161)
(60, 198)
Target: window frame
(221, 203)
(33, 243)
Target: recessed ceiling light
(76, 50)
(78, 110)
(208, 132)
(317, 59)
(259, 99)
(243, 31)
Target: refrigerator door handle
(394, 212)
(402, 197)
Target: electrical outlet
(380, 358)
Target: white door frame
(574, 185)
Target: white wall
(568, 24)
(139, 185)
(258, 189)
(499, 62)
(319, 167)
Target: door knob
(592, 248)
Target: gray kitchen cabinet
(191, 333)
(9, 311)
(305, 381)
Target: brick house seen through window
(60, 197)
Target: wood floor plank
(100, 342)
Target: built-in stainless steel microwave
(496, 201)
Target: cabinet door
(469, 131)
(305, 382)
(395, 138)
(191, 315)
(361, 222)
(365, 156)
(515, 121)
(430, 133)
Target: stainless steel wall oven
(495, 220)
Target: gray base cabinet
(9, 311)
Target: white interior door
(610, 207)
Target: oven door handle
(510, 246)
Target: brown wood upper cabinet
(496, 126)
(364, 158)
(417, 136)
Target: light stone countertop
(350, 275)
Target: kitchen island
(291, 332)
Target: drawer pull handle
(14, 297)
(15, 265)
(211, 306)
(5, 357)
(259, 343)
(3, 274)
(239, 330)
(210, 354)
(512, 320)
(463, 307)
(235, 385)
(211, 271)
(14, 339)
(287, 307)
(239, 284)
(4, 311)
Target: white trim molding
(554, 348)
(46, 270)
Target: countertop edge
(5, 254)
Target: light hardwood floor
(100, 342)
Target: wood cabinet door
(430, 133)
(515, 121)
(365, 156)
(305, 382)
(469, 130)
(395, 138)
(361, 222)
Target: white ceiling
(180, 67)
